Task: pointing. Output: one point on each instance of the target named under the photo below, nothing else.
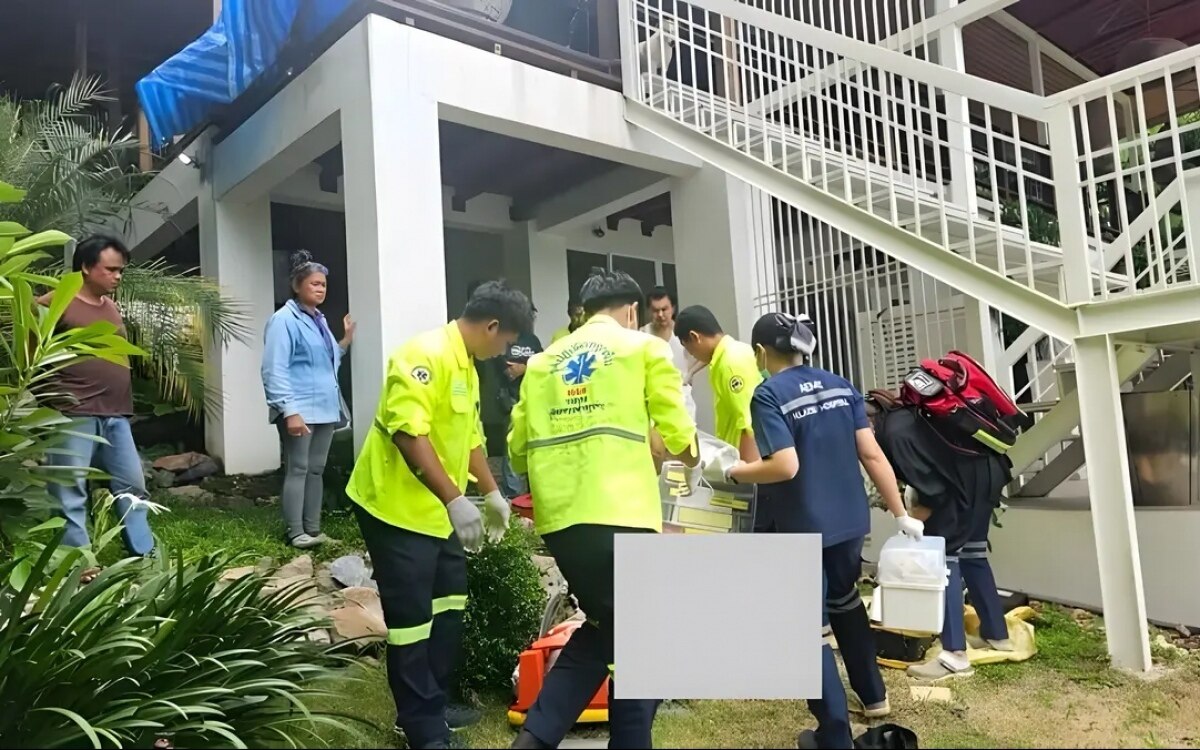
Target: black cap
(783, 332)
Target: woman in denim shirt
(299, 372)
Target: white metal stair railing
(1165, 371)
(887, 133)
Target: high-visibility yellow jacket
(581, 427)
(733, 374)
(431, 389)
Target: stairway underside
(915, 205)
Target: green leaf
(64, 295)
(11, 228)
(20, 575)
(79, 721)
(10, 194)
(53, 523)
(40, 241)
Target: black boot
(526, 740)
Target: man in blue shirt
(812, 430)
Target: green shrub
(155, 648)
(504, 610)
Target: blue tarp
(212, 71)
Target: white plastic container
(912, 584)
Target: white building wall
(1049, 553)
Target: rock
(1081, 615)
(266, 565)
(1161, 641)
(324, 577)
(268, 500)
(355, 623)
(303, 587)
(234, 574)
(1184, 631)
(352, 570)
(181, 462)
(301, 566)
(320, 636)
(364, 597)
(189, 492)
(205, 467)
(162, 478)
(931, 694)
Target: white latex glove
(693, 474)
(910, 527)
(495, 515)
(467, 523)
(729, 478)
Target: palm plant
(171, 317)
(76, 174)
(158, 649)
(79, 177)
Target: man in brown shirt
(99, 396)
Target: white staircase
(862, 120)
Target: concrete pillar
(395, 249)
(517, 269)
(1102, 426)
(718, 226)
(548, 282)
(235, 249)
(984, 340)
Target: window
(668, 280)
(645, 272)
(579, 267)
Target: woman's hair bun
(300, 258)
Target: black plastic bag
(887, 737)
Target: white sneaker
(304, 541)
(943, 668)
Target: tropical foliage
(79, 176)
(505, 601)
(156, 649)
(31, 352)
(174, 318)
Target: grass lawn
(1066, 696)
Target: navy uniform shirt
(817, 413)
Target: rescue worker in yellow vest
(732, 372)
(574, 320)
(408, 485)
(581, 432)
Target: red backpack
(955, 392)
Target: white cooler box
(912, 584)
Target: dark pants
(423, 588)
(965, 527)
(845, 618)
(584, 555)
(970, 569)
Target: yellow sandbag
(1020, 632)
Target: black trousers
(423, 587)
(584, 555)
(847, 620)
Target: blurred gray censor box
(718, 616)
